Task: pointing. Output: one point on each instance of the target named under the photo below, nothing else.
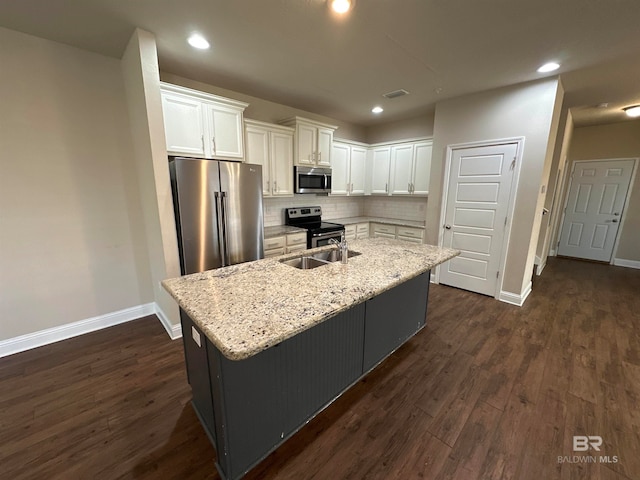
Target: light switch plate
(196, 336)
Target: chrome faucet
(342, 245)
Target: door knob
(615, 220)
(448, 227)
(616, 214)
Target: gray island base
(269, 346)
(250, 407)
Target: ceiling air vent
(396, 93)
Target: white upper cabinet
(312, 143)
(401, 169)
(380, 162)
(225, 131)
(348, 163)
(357, 170)
(340, 169)
(183, 124)
(410, 168)
(422, 167)
(272, 147)
(201, 124)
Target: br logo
(582, 443)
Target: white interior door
(475, 215)
(594, 208)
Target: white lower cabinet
(408, 234)
(272, 147)
(357, 231)
(362, 230)
(296, 242)
(274, 246)
(293, 242)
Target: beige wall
(617, 140)
(417, 127)
(526, 110)
(267, 111)
(71, 242)
(142, 82)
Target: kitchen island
(268, 346)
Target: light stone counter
(387, 221)
(247, 308)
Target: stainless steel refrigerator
(218, 207)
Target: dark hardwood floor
(486, 391)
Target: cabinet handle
(352, 188)
(268, 182)
(275, 186)
(409, 187)
(202, 139)
(319, 156)
(213, 144)
(386, 188)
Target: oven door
(322, 239)
(312, 180)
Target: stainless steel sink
(334, 255)
(306, 262)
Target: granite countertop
(278, 230)
(388, 221)
(245, 309)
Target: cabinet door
(282, 163)
(401, 169)
(357, 170)
(380, 161)
(421, 168)
(306, 140)
(225, 131)
(183, 125)
(257, 146)
(325, 142)
(340, 169)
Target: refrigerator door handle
(224, 241)
(220, 228)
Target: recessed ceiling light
(549, 67)
(340, 6)
(633, 111)
(602, 105)
(198, 41)
(377, 109)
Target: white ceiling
(296, 53)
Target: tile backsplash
(400, 208)
(342, 207)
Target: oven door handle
(327, 234)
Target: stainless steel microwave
(312, 179)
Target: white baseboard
(432, 278)
(553, 253)
(540, 268)
(621, 262)
(174, 331)
(55, 334)
(514, 298)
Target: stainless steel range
(318, 232)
